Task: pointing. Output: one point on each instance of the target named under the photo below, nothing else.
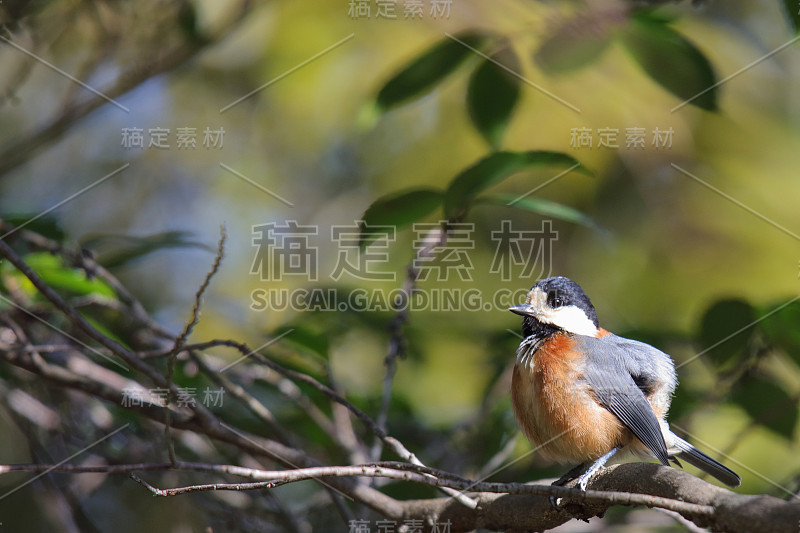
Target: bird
(581, 394)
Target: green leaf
(725, 331)
(43, 225)
(793, 12)
(671, 60)
(106, 331)
(399, 209)
(423, 73)
(188, 23)
(541, 207)
(493, 169)
(123, 249)
(769, 404)
(492, 94)
(65, 278)
(576, 43)
(304, 337)
(782, 329)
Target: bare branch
(84, 260)
(253, 405)
(497, 506)
(434, 239)
(506, 506)
(391, 470)
(21, 150)
(181, 339)
(395, 445)
(198, 297)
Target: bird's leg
(583, 472)
(595, 468)
(572, 474)
(563, 480)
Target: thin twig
(390, 470)
(83, 324)
(395, 445)
(181, 339)
(279, 478)
(84, 260)
(198, 297)
(23, 148)
(435, 238)
(256, 407)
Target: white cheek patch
(569, 318)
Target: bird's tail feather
(695, 457)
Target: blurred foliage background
(702, 259)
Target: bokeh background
(679, 259)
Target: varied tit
(580, 393)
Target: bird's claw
(583, 483)
(556, 503)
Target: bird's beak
(522, 310)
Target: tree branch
(181, 339)
(498, 506)
(21, 150)
(508, 506)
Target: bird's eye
(557, 302)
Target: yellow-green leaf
(671, 60)
(430, 68)
(398, 210)
(577, 42)
(542, 207)
(66, 278)
(493, 169)
(492, 94)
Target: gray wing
(620, 372)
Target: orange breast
(555, 410)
